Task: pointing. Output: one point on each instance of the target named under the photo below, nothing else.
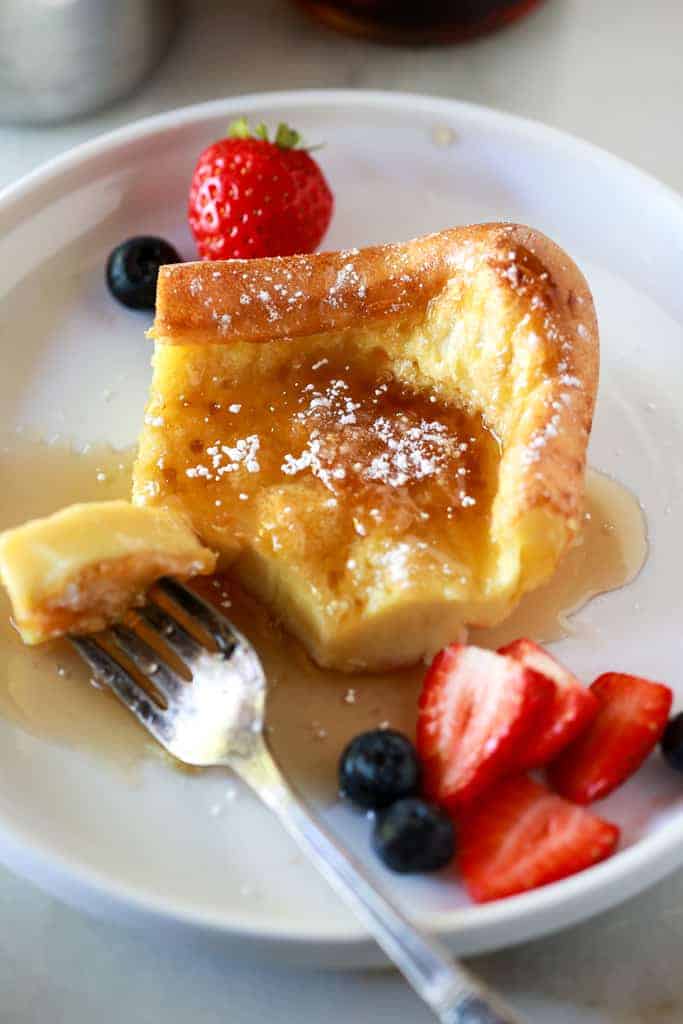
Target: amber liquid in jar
(418, 21)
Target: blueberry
(672, 742)
(378, 768)
(133, 268)
(412, 836)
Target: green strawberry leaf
(286, 137)
(239, 129)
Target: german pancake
(384, 445)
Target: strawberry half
(631, 719)
(521, 836)
(573, 708)
(476, 710)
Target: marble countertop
(609, 71)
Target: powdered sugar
(410, 453)
(348, 281)
(224, 321)
(363, 435)
(310, 459)
(228, 459)
(335, 400)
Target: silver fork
(218, 719)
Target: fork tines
(160, 682)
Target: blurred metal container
(61, 59)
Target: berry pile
(486, 719)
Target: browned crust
(545, 458)
(268, 299)
(295, 296)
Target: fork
(217, 718)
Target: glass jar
(418, 21)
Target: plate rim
(562, 902)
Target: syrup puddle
(609, 553)
(45, 690)
(312, 713)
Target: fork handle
(448, 989)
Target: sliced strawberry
(573, 709)
(521, 836)
(476, 710)
(632, 716)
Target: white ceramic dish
(146, 847)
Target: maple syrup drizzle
(312, 712)
(325, 443)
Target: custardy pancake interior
(383, 479)
(80, 569)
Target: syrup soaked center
(342, 437)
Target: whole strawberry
(252, 197)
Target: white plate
(147, 846)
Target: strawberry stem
(285, 137)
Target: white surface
(494, 167)
(549, 67)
